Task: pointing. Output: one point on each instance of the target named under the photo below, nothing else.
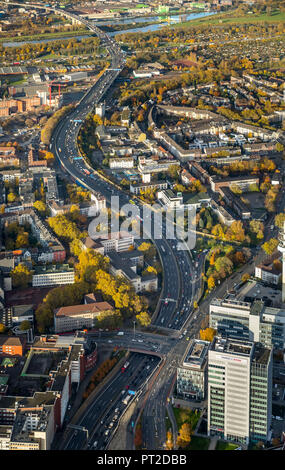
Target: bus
(132, 202)
(86, 171)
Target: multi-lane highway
(179, 282)
(100, 419)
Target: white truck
(126, 399)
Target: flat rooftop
(232, 346)
(196, 354)
(56, 268)
(254, 290)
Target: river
(143, 29)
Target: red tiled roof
(83, 309)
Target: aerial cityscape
(142, 227)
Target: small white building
(54, 275)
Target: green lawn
(198, 443)
(225, 446)
(183, 415)
(228, 18)
(51, 36)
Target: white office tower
(239, 390)
(281, 248)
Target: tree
(144, 246)
(279, 220)
(245, 277)
(236, 232)
(21, 276)
(224, 266)
(75, 247)
(144, 319)
(173, 171)
(22, 240)
(41, 207)
(169, 440)
(211, 282)
(208, 334)
(89, 262)
(184, 437)
(63, 227)
(25, 325)
(149, 270)
(11, 197)
(270, 246)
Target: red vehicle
(125, 366)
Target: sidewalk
(173, 424)
(213, 443)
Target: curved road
(180, 284)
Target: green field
(225, 446)
(183, 415)
(57, 35)
(228, 18)
(198, 443)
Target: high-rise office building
(252, 321)
(239, 390)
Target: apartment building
(53, 250)
(27, 423)
(12, 346)
(154, 165)
(19, 105)
(192, 371)
(223, 214)
(243, 182)
(117, 241)
(137, 188)
(118, 163)
(251, 321)
(268, 273)
(54, 275)
(8, 156)
(169, 199)
(33, 159)
(233, 201)
(199, 172)
(239, 390)
(127, 268)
